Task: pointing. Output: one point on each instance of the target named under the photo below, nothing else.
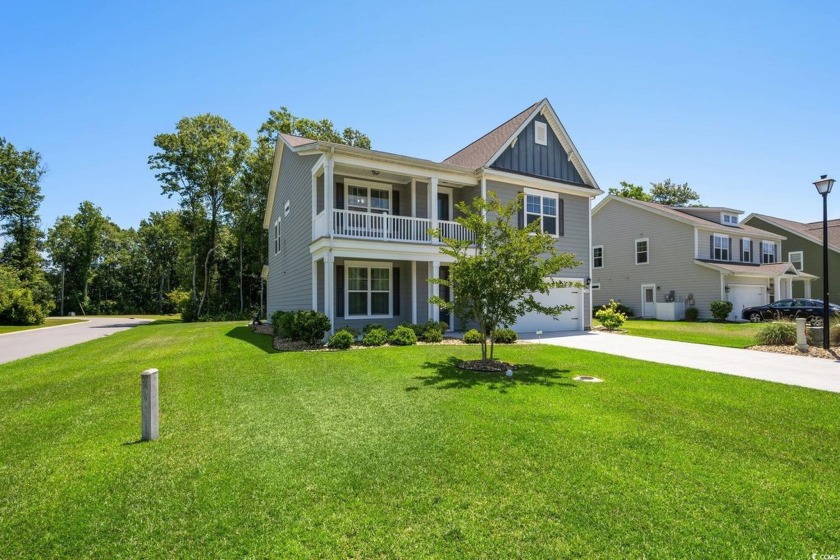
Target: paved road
(14, 346)
(803, 371)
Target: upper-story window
(768, 252)
(540, 133)
(368, 197)
(730, 218)
(721, 248)
(642, 248)
(547, 208)
(746, 250)
(598, 256)
(797, 259)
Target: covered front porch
(355, 289)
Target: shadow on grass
(447, 375)
(261, 341)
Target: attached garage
(567, 321)
(742, 297)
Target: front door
(445, 294)
(443, 206)
(648, 300)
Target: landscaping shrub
(432, 335)
(309, 326)
(403, 336)
(620, 307)
(692, 314)
(353, 332)
(418, 329)
(777, 333)
(18, 308)
(341, 340)
(375, 337)
(611, 316)
(430, 326)
(504, 336)
(367, 328)
(281, 324)
(721, 309)
(472, 336)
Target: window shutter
(339, 291)
(776, 251)
(560, 220)
(729, 252)
(520, 216)
(339, 196)
(395, 202)
(395, 284)
(752, 257)
(712, 247)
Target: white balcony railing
(366, 225)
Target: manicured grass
(49, 322)
(174, 316)
(733, 335)
(393, 452)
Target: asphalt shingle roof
(811, 230)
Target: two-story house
(803, 247)
(659, 259)
(349, 227)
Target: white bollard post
(801, 340)
(149, 404)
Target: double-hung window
(598, 256)
(746, 250)
(768, 252)
(797, 259)
(368, 289)
(368, 197)
(547, 208)
(721, 247)
(642, 248)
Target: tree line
(203, 259)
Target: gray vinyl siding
(812, 254)
(528, 157)
(290, 272)
(466, 195)
(575, 238)
(422, 193)
(704, 246)
(670, 264)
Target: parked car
(811, 309)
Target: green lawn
(49, 322)
(394, 453)
(733, 335)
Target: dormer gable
(717, 214)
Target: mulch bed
(486, 365)
(263, 329)
(813, 351)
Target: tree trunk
(63, 273)
(241, 293)
(206, 280)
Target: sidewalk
(803, 371)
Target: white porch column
(329, 193)
(807, 288)
(329, 289)
(483, 194)
(315, 285)
(433, 195)
(413, 283)
(435, 288)
(414, 199)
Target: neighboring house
(803, 247)
(659, 260)
(348, 227)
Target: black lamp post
(824, 187)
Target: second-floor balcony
(384, 227)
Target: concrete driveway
(14, 346)
(803, 371)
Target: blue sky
(738, 99)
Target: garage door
(743, 297)
(567, 321)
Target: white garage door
(567, 321)
(743, 297)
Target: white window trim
(772, 245)
(287, 208)
(636, 250)
(348, 182)
(728, 249)
(733, 218)
(451, 192)
(544, 194)
(277, 245)
(389, 266)
(540, 126)
(801, 259)
(593, 256)
(745, 242)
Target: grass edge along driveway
(394, 452)
(731, 335)
(48, 322)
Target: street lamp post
(824, 187)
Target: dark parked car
(811, 309)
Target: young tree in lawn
(493, 281)
(200, 162)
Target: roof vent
(540, 133)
